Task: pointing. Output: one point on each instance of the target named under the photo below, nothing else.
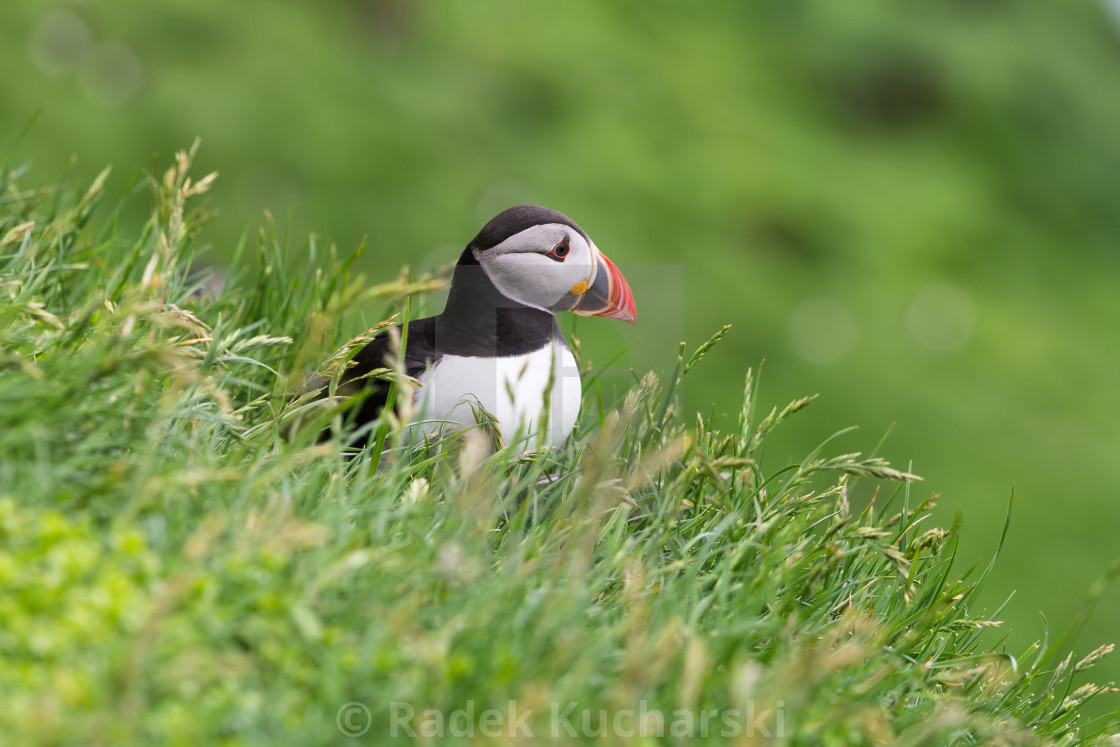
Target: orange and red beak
(607, 293)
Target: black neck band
(479, 321)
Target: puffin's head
(541, 258)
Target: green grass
(174, 570)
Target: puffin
(497, 344)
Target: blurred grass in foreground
(173, 571)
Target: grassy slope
(172, 570)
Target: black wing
(420, 352)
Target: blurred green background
(910, 208)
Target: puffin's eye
(560, 251)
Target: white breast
(513, 389)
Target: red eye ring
(560, 251)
